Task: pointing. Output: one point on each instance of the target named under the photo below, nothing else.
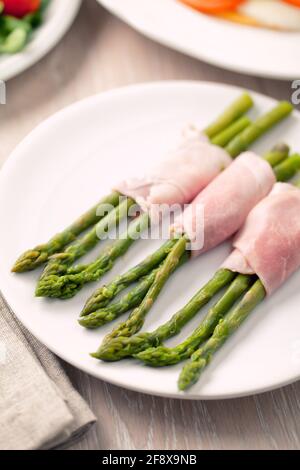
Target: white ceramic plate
(243, 49)
(71, 160)
(58, 19)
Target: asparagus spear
(137, 316)
(233, 112)
(60, 263)
(103, 296)
(31, 259)
(277, 155)
(200, 359)
(223, 138)
(163, 356)
(242, 141)
(65, 286)
(129, 301)
(288, 168)
(121, 347)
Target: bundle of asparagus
(61, 279)
(227, 126)
(120, 342)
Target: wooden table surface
(99, 53)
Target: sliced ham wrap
(181, 176)
(269, 242)
(221, 208)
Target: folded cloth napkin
(39, 408)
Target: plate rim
(165, 41)
(14, 157)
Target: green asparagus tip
(288, 168)
(246, 99)
(281, 147)
(278, 154)
(39, 293)
(287, 106)
(87, 322)
(160, 356)
(249, 98)
(95, 355)
(100, 354)
(29, 261)
(124, 346)
(146, 356)
(190, 373)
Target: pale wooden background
(99, 53)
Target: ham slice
(269, 242)
(179, 178)
(221, 209)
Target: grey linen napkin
(39, 408)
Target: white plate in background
(70, 161)
(57, 20)
(254, 51)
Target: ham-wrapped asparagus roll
(181, 176)
(268, 245)
(221, 208)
